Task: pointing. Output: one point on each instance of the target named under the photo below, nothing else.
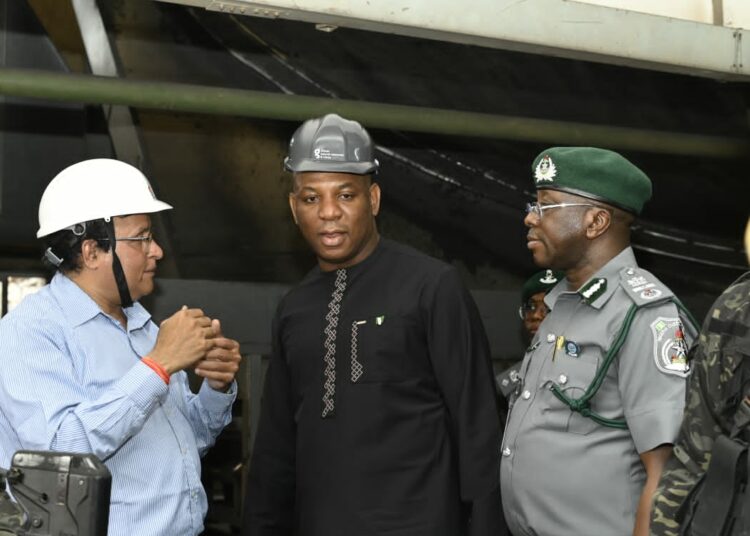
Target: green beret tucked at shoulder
(598, 174)
(543, 281)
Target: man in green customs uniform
(603, 381)
(717, 393)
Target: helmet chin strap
(122, 284)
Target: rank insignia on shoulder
(670, 348)
(650, 293)
(642, 287)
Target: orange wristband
(156, 367)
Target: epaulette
(643, 287)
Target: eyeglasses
(145, 240)
(538, 208)
(531, 307)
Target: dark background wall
(459, 199)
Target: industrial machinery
(54, 494)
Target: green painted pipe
(240, 102)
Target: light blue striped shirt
(71, 380)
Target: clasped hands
(190, 339)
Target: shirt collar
(610, 273)
(78, 307)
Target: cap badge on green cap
(545, 170)
(548, 278)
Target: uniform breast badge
(572, 349)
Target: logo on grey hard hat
(322, 153)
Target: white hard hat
(92, 190)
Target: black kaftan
(405, 441)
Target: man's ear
(598, 221)
(91, 254)
(375, 198)
(293, 207)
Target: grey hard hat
(333, 144)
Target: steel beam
(562, 28)
(121, 125)
(246, 103)
(101, 58)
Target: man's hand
(222, 362)
(184, 338)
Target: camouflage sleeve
(713, 364)
(691, 452)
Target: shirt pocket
(379, 349)
(729, 355)
(573, 376)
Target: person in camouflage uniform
(710, 409)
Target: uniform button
(563, 379)
(551, 337)
(630, 271)
(526, 394)
(506, 452)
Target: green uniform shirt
(562, 473)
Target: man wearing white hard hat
(83, 368)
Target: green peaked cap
(595, 173)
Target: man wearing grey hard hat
(603, 382)
(379, 412)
